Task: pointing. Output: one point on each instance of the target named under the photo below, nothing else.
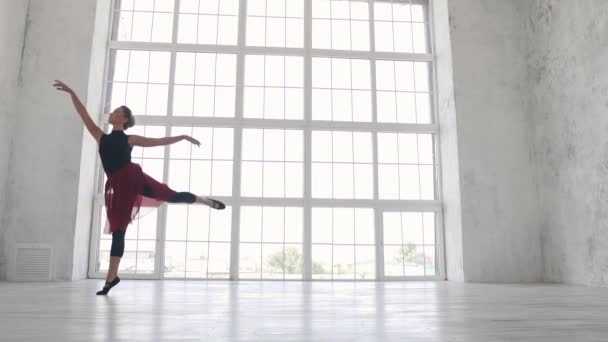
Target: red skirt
(124, 195)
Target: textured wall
(499, 199)
(13, 18)
(569, 77)
(48, 135)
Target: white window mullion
(307, 246)
(288, 124)
(377, 211)
(439, 223)
(238, 144)
(257, 50)
(161, 220)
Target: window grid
(284, 90)
(308, 125)
(289, 23)
(213, 23)
(135, 14)
(189, 224)
(357, 112)
(413, 26)
(340, 229)
(288, 242)
(419, 251)
(328, 22)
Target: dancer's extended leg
(188, 197)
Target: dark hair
(129, 115)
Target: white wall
(48, 135)
(500, 218)
(569, 75)
(13, 19)
(448, 139)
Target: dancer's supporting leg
(117, 251)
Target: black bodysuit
(115, 151)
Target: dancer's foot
(210, 202)
(108, 286)
(217, 204)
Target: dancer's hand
(62, 87)
(192, 140)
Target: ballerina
(127, 184)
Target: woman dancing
(127, 184)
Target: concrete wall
(569, 78)
(497, 172)
(48, 135)
(13, 19)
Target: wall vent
(32, 262)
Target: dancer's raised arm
(95, 131)
(137, 140)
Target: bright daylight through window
(318, 131)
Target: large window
(318, 131)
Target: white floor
(295, 311)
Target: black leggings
(118, 237)
(118, 243)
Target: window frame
(307, 125)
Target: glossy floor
(295, 311)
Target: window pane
(198, 223)
(250, 260)
(251, 184)
(196, 259)
(344, 226)
(322, 265)
(294, 221)
(175, 259)
(275, 23)
(219, 260)
(365, 262)
(274, 87)
(345, 22)
(333, 82)
(407, 251)
(264, 251)
(208, 22)
(344, 262)
(144, 22)
(269, 149)
(322, 225)
(400, 27)
(322, 180)
(334, 237)
(393, 261)
(273, 224)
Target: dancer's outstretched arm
(137, 140)
(95, 131)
